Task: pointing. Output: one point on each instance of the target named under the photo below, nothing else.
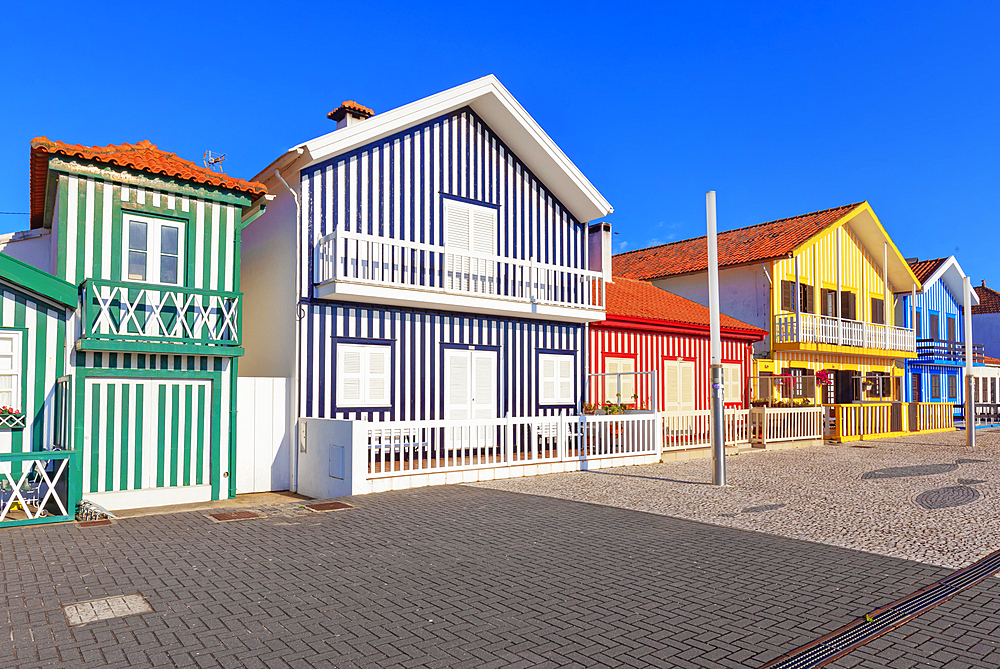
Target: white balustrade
(693, 429)
(382, 261)
(840, 331)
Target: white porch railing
(771, 425)
(693, 429)
(814, 329)
(437, 446)
(394, 263)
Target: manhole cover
(329, 506)
(93, 610)
(943, 498)
(226, 516)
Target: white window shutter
(351, 376)
(457, 398)
(611, 367)
(456, 216)
(378, 376)
(484, 230)
(484, 399)
(548, 378)
(566, 380)
(687, 386)
(672, 390)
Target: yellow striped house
(822, 285)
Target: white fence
(811, 328)
(758, 426)
(263, 444)
(395, 263)
(354, 457)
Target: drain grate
(226, 516)
(839, 643)
(105, 608)
(945, 498)
(329, 506)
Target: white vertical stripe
(230, 242)
(107, 222)
(215, 253)
(199, 247)
(72, 226)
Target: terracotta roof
(754, 243)
(991, 361)
(989, 300)
(924, 268)
(143, 157)
(630, 298)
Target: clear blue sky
(782, 107)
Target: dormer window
(470, 227)
(153, 249)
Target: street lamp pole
(718, 431)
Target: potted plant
(11, 417)
(589, 409)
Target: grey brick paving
(463, 577)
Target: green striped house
(148, 354)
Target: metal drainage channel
(841, 642)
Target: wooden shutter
(457, 397)
(566, 375)
(733, 388)
(377, 376)
(788, 295)
(935, 386)
(484, 230)
(934, 332)
(847, 305)
(920, 326)
(808, 298)
(456, 216)
(672, 386)
(951, 328)
(952, 386)
(548, 379)
(687, 386)
(350, 375)
(878, 310)
(485, 384)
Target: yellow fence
(852, 422)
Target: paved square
(926, 498)
(460, 576)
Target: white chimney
(349, 113)
(600, 249)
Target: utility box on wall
(327, 463)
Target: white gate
(262, 434)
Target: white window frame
(471, 210)
(628, 381)
(561, 395)
(17, 367)
(153, 252)
(365, 376)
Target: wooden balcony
(813, 331)
(152, 318)
(359, 267)
(947, 352)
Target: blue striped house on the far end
(430, 262)
(140, 375)
(937, 374)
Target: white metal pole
(970, 401)
(718, 436)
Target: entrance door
(470, 392)
(915, 387)
(845, 386)
(147, 441)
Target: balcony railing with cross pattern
(115, 312)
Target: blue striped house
(142, 379)
(429, 262)
(937, 374)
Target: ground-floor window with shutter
(732, 374)
(678, 382)
(11, 369)
(556, 386)
(935, 386)
(363, 375)
(952, 386)
(619, 384)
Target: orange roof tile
(350, 106)
(143, 157)
(753, 243)
(630, 298)
(989, 300)
(924, 268)
(991, 361)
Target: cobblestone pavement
(873, 496)
(459, 576)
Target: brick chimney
(349, 113)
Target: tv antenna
(213, 161)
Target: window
(806, 298)
(951, 328)
(732, 374)
(363, 375)
(470, 227)
(11, 372)
(932, 327)
(847, 305)
(920, 326)
(935, 386)
(879, 384)
(619, 370)
(788, 295)
(154, 250)
(801, 385)
(678, 385)
(878, 310)
(828, 302)
(556, 375)
(952, 386)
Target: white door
(470, 392)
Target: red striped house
(648, 329)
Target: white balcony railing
(379, 261)
(813, 329)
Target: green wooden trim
(102, 283)
(140, 412)
(81, 232)
(75, 482)
(62, 213)
(41, 357)
(37, 455)
(126, 346)
(39, 521)
(241, 224)
(36, 281)
(233, 377)
(123, 431)
(161, 442)
(139, 179)
(111, 429)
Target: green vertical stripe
(109, 446)
(81, 231)
(95, 440)
(200, 464)
(40, 381)
(123, 430)
(140, 445)
(61, 225)
(175, 419)
(17, 436)
(161, 435)
(188, 418)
